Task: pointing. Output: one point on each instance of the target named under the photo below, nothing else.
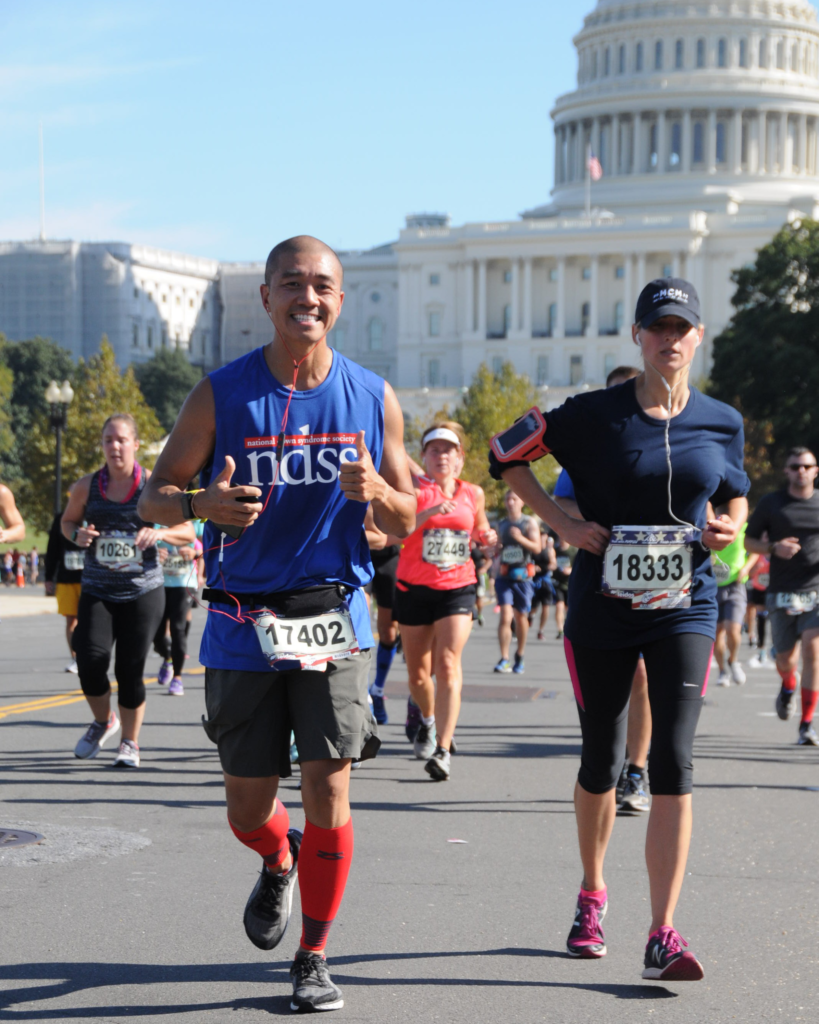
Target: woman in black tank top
(123, 594)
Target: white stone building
(142, 298)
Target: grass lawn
(33, 539)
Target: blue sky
(219, 129)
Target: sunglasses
(801, 465)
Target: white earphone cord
(682, 522)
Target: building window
(607, 62)
(763, 53)
(552, 317)
(575, 370)
(338, 337)
(204, 342)
(700, 53)
(136, 293)
(204, 305)
(434, 325)
(620, 272)
(507, 318)
(679, 54)
(375, 331)
(652, 145)
(164, 298)
(586, 273)
(594, 65)
(780, 55)
(434, 373)
(497, 365)
(618, 315)
(190, 303)
(621, 60)
(150, 336)
(135, 336)
(164, 336)
(699, 142)
(795, 57)
(743, 53)
(375, 297)
(676, 144)
(554, 274)
(609, 364)
(638, 57)
(542, 370)
(722, 54)
(585, 316)
(658, 55)
(721, 142)
(434, 279)
(178, 301)
(507, 277)
(667, 268)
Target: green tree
(166, 381)
(101, 388)
(766, 361)
(33, 364)
(492, 402)
(6, 392)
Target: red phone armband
(523, 441)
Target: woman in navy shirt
(645, 458)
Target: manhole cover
(10, 837)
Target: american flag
(595, 168)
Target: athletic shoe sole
(435, 771)
(309, 1008)
(586, 953)
(686, 968)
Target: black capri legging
(177, 602)
(677, 668)
(129, 624)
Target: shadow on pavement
(71, 978)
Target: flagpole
(588, 181)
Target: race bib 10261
(119, 553)
(307, 642)
(652, 566)
(446, 548)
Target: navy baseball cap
(668, 296)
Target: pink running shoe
(586, 939)
(668, 958)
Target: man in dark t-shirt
(785, 526)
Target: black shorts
(561, 591)
(382, 587)
(757, 597)
(417, 605)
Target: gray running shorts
(250, 716)
(786, 630)
(732, 602)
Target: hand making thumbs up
(232, 505)
(359, 480)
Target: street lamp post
(59, 399)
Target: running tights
(174, 648)
(677, 668)
(129, 624)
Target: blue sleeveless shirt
(309, 534)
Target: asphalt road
(132, 908)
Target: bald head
(296, 246)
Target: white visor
(442, 434)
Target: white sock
(428, 721)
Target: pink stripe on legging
(707, 672)
(567, 647)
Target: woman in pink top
(435, 590)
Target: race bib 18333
(650, 565)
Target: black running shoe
(313, 988)
(668, 958)
(786, 704)
(635, 798)
(621, 782)
(268, 910)
(807, 735)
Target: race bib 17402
(446, 548)
(119, 553)
(650, 565)
(307, 642)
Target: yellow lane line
(59, 700)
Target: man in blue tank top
(292, 443)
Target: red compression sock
(324, 863)
(809, 701)
(270, 841)
(788, 681)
